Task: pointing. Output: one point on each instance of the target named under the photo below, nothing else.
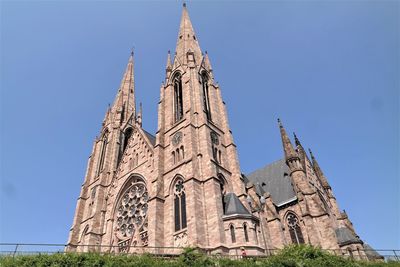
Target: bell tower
(194, 145)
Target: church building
(183, 185)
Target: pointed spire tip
(280, 123)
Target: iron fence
(13, 249)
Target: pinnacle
(187, 40)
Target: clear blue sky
(328, 69)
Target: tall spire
(319, 172)
(125, 100)
(290, 153)
(187, 39)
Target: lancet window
(232, 230)
(294, 229)
(179, 205)
(222, 188)
(178, 98)
(206, 98)
(246, 234)
(124, 142)
(104, 143)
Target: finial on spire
(296, 140)
(280, 123)
(184, 4)
(132, 51)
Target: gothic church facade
(183, 186)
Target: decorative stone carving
(181, 240)
(131, 214)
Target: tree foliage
(291, 256)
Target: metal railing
(13, 249)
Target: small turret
(319, 172)
(168, 68)
(291, 156)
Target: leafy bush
(291, 256)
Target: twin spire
(290, 153)
(124, 104)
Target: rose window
(132, 210)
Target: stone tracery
(131, 214)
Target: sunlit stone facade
(183, 186)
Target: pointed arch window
(127, 135)
(124, 139)
(178, 98)
(222, 190)
(246, 234)
(179, 206)
(206, 97)
(294, 229)
(104, 143)
(232, 230)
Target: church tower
(197, 158)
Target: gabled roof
(151, 137)
(345, 236)
(275, 179)
(234, 206)
(371, 253)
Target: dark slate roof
(345, 236)
(275, 179)
(234, 206)
(151, 137)
(371, 253)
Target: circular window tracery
(292, 220)
(131, 210)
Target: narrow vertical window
(124, 142)
(183, 152)
(180, 206)
(294, 229)
(127, 135)
(222, 191)
(178, 99)
(232, 230)
(219, 156)
(183, 211)
(246, 235)
(206, 98)
(215, 154)
(102, 153)
(178, 157)
(177, 213)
